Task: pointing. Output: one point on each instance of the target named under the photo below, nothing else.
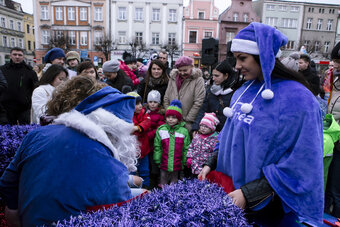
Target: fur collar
(87, 124)
(194, 74)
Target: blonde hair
(69, 94)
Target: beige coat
(191, 95)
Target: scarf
(180, 80)
(218, 90)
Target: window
(28, 28)
(139, 37)
(321, 10)
(59, 34)
(282, 8)
(83, 38)
(207, 34)
(121, 13)
(201, 15)
(98, 36)
(44, 12)
(13, 43)
(155, 38)
(83, 14)
(294, 9)
(11, 24)
(3, 22)
(329, 25)
(326, 46)
(45, 36)
(172, 15)
(309, 23)
(306, 44)
(270, 7)
(71, 13)
(316, 45)
(59, 13)
(289, 23)
(192, 36)
(319, 24)
(19, 26)
(290, 45)
(156, 14)
(139, 14)
(29, 45)
(72, 37)
(229, 36)
(98, 14)
(245, 17)
(235, 16)
(172, 38)
(4, 41)
(121, 37)
(311, 10)
(20, 43)
(272, 21)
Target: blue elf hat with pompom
(175, 109)
(265, 41)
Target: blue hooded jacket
(280, 139)
(59, 171)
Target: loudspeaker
(209, 51)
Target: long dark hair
(282, 72)
(51, 73)
(233, 81)
(164, 76)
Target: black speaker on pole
(209, 51)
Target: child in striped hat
(171, 144)
(203, 143)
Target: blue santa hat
(112, 100)
(265, 41)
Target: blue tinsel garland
(187, 203)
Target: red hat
(183, 61)
(210, 120)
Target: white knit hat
(155, 96)
(210, 120)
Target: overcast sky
(27, 5)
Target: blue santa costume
(61, 169)
(273, 131)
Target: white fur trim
(267, 94)
(244, 46)
(84, 124)
(228, 112)
(246, 108)
(247, 46)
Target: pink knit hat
(210, 120)
(183, 61)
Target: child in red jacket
(156, 114)
(142, 123)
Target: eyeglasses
(204, 126)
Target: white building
(149, 22)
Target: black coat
(3, 87)
(21, 81)
(211, 104)
(121, 82)
(313, 79)
(161, 88)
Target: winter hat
(210, 120)
(292, 62)
(53, 54)
(183, 61)
(110, 99)
(136, 95)
(129, 60)
(155, 96)
(336, 52)
(265, 41)
(175, 108)
(72, 55)
(111, 66)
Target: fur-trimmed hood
(195, 73)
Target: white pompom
(267, 94)
(246, 108)
(228, 112)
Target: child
(142, 123)
(203, 143)
(157, 119)
(171, 144)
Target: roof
(328, 2)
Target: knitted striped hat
(210, 120)
(174, 109)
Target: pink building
(232, 20)
(200, 21)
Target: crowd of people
(257, 120)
